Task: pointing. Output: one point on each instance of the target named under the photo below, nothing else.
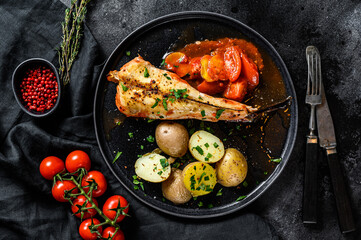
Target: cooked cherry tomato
(109, 232)
(196, 66)
(99, 178)
(250, 72)
(111, 204)
(212, 88)
(232, 63)
(204, 68)
(174, 59)
(51, 166)
(60, 187)
(216, 68)
(77, 159)
(84, 230)
(80, 200)
(236, 90)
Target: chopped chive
(219, 193)
(146, 73)
(131, 135)
(206, 178)
(224, 139)
(199, 149)
(135, 181)
(199, 97)
(219, 112)
(193, 182)
(176, 165)
(135, 176)
(141, 147)
(139, 156)
(156, 103)
(141, 185)
(165, 104)
(150, 120)
(192, 131)
(208, 156)
(136, 187)
(203, 113)
(165, 75)
(163, 63)
(215, 145)
(160, 172)
(117, 156)
(206, 145)
(240, 198)
(276, 160)
(124, 87)
(150, 138)
(202, 175)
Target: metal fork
(313, 98)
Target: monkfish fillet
(149, 92)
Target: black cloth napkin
(27, 209)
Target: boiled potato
(173, 188)
(199, 178)
(152, 168)
(172, 138)
(232, 168)
(206, 147)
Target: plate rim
(292, 130)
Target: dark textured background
(335, 28)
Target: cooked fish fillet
(149, 92)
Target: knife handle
(342, 197)
(310, 185)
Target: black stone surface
(335, 28)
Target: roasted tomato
(212, 88)
(236, 90)
(59, 189)
(109, 232)
(178, 63)
(111, 205)
(216, 68)
(51, 166)
(232, 63)
(80, 201)
(204, 68)
(250, 72)
(77, 159)
(85, 232)
(196, 66)
(99, 178)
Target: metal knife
(327, 140)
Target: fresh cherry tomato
(250, 72)
(60, 187)
(216, 68)
(204, 68)
(109, 232)
(232, 63)
(196, 66)
(236, 90)
(80, 200)
(212, 88)
(77, 159)
(112, 203)
(99, 178)
(51, 166)
(84, 230)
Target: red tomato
(51, 166)
(109, 232)
(80, 200)
(112, 203)
(236, 90)
(216, 68)
(196, 66)
(99, 178)
(232, 63)
(212, 88)
(174, 59)
(250, 72)
(60, 187)
(77, 159)
(84, 230)
(204, 68)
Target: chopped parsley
(203, 113)
(117, 156)
(131, 135)
(179, 93)
(276, 160)
(199, 150)
(240, 198)
(165, 104)
(219, 112)
(206, 145)
(156, 102)
(124, 87)
(146, 73)
(127, 53)
(167, 77)
(164, 163)
(219, 193)
(208, 156)
(150, 138)
(245, 184)
(215, 145)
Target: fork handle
(342, 197)
(310, 184)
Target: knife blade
(327, 140)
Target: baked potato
(232, 169)
(152, 167)
(173, 188)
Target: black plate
(152, 41)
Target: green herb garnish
(219, 112)
(200, 204)
(203, 113)
(139, 156)
(215, 145)
(202, 175)
(141, 147)
(127, 53)
(276, 160)
(131, 135)
(219, 193)
(206, 145)
(199, 150)
(193, 182)
(163, 63)
(124, 87)
(165, 75)
(146, 73)
(210, 205)
(150, 120)
(245, 184)
(176, 165)
(164, 162)
(208, 156)
(265, 172)
(150, 138)
(160, 172)
(165, 104)
(240, 198)
(156, 102)
(117, 156)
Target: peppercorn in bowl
(37, 87)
